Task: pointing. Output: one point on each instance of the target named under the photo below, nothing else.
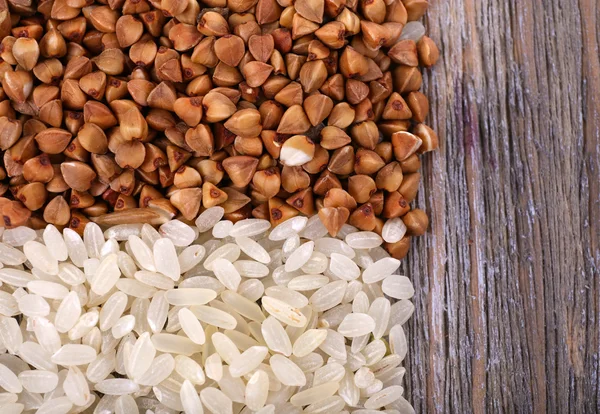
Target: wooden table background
(507, 304)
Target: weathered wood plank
(508, 278)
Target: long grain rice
(165, 258)
(180, 233)
(11, 256)
(215, 401)
(76, 387)
(189, 369)
(222, 229)
(134, 319)
(190, 400)
(248, 360)
(38, 381)
(191, 326)
(287, 371)
(18, 236)
(160, 369)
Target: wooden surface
(507, 304)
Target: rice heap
(218, 318)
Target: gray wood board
(507, 278)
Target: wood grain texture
(508, 277)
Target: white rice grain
(189, 369)
(18, 236)
(257, 390)
(45, 289)
(227, 274)
(190, 257)
(249, 268)
(380, 269)
(288, 228)
(317, 263)
(363, 240)
(149, 235)
(314, 229)
(398, 287)
(160, 369)
(299, 257)
(46, 334)
(332, 371)
(213, 316)
(75, 247)
(123, 326)
(191, 326)
(284, 312)
(384, 397)
(398, 343)
(142, 253)
(125, 404)
(101, 367)
(190, 400)
(175, 344)
(35, 355)
(106, 276)
(248, 360)
(208, 218)
(334, 345)
(154, 279)
(380, 311)
(135, 288)
(180, 233)
(141, 356)
(15, 277)
(275, 336)
(393, 230)
(307, 282)
(189, 296)
(287, 371)
(356, 324)
(117, 386)
(253, 249)
(60, 405)
(122, 232)
(230, 252)
(8, 304)
(249, 227)
(157, 312)
(374, 351)
(9, 381)
(243, 306)
(213, 367)
(333, 404)
(287, 295)
(70, 274)
(93, 240)
(315, 394)
(38, 381)
(328, 296)
(74, 354)
(40, 257)
(308, 342)
(76, 387)
(222, 229)
(215, 401)
(11, 256)
(33, 305)
(165, 258)
(328, 245)
(343, 267)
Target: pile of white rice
(219, 318)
